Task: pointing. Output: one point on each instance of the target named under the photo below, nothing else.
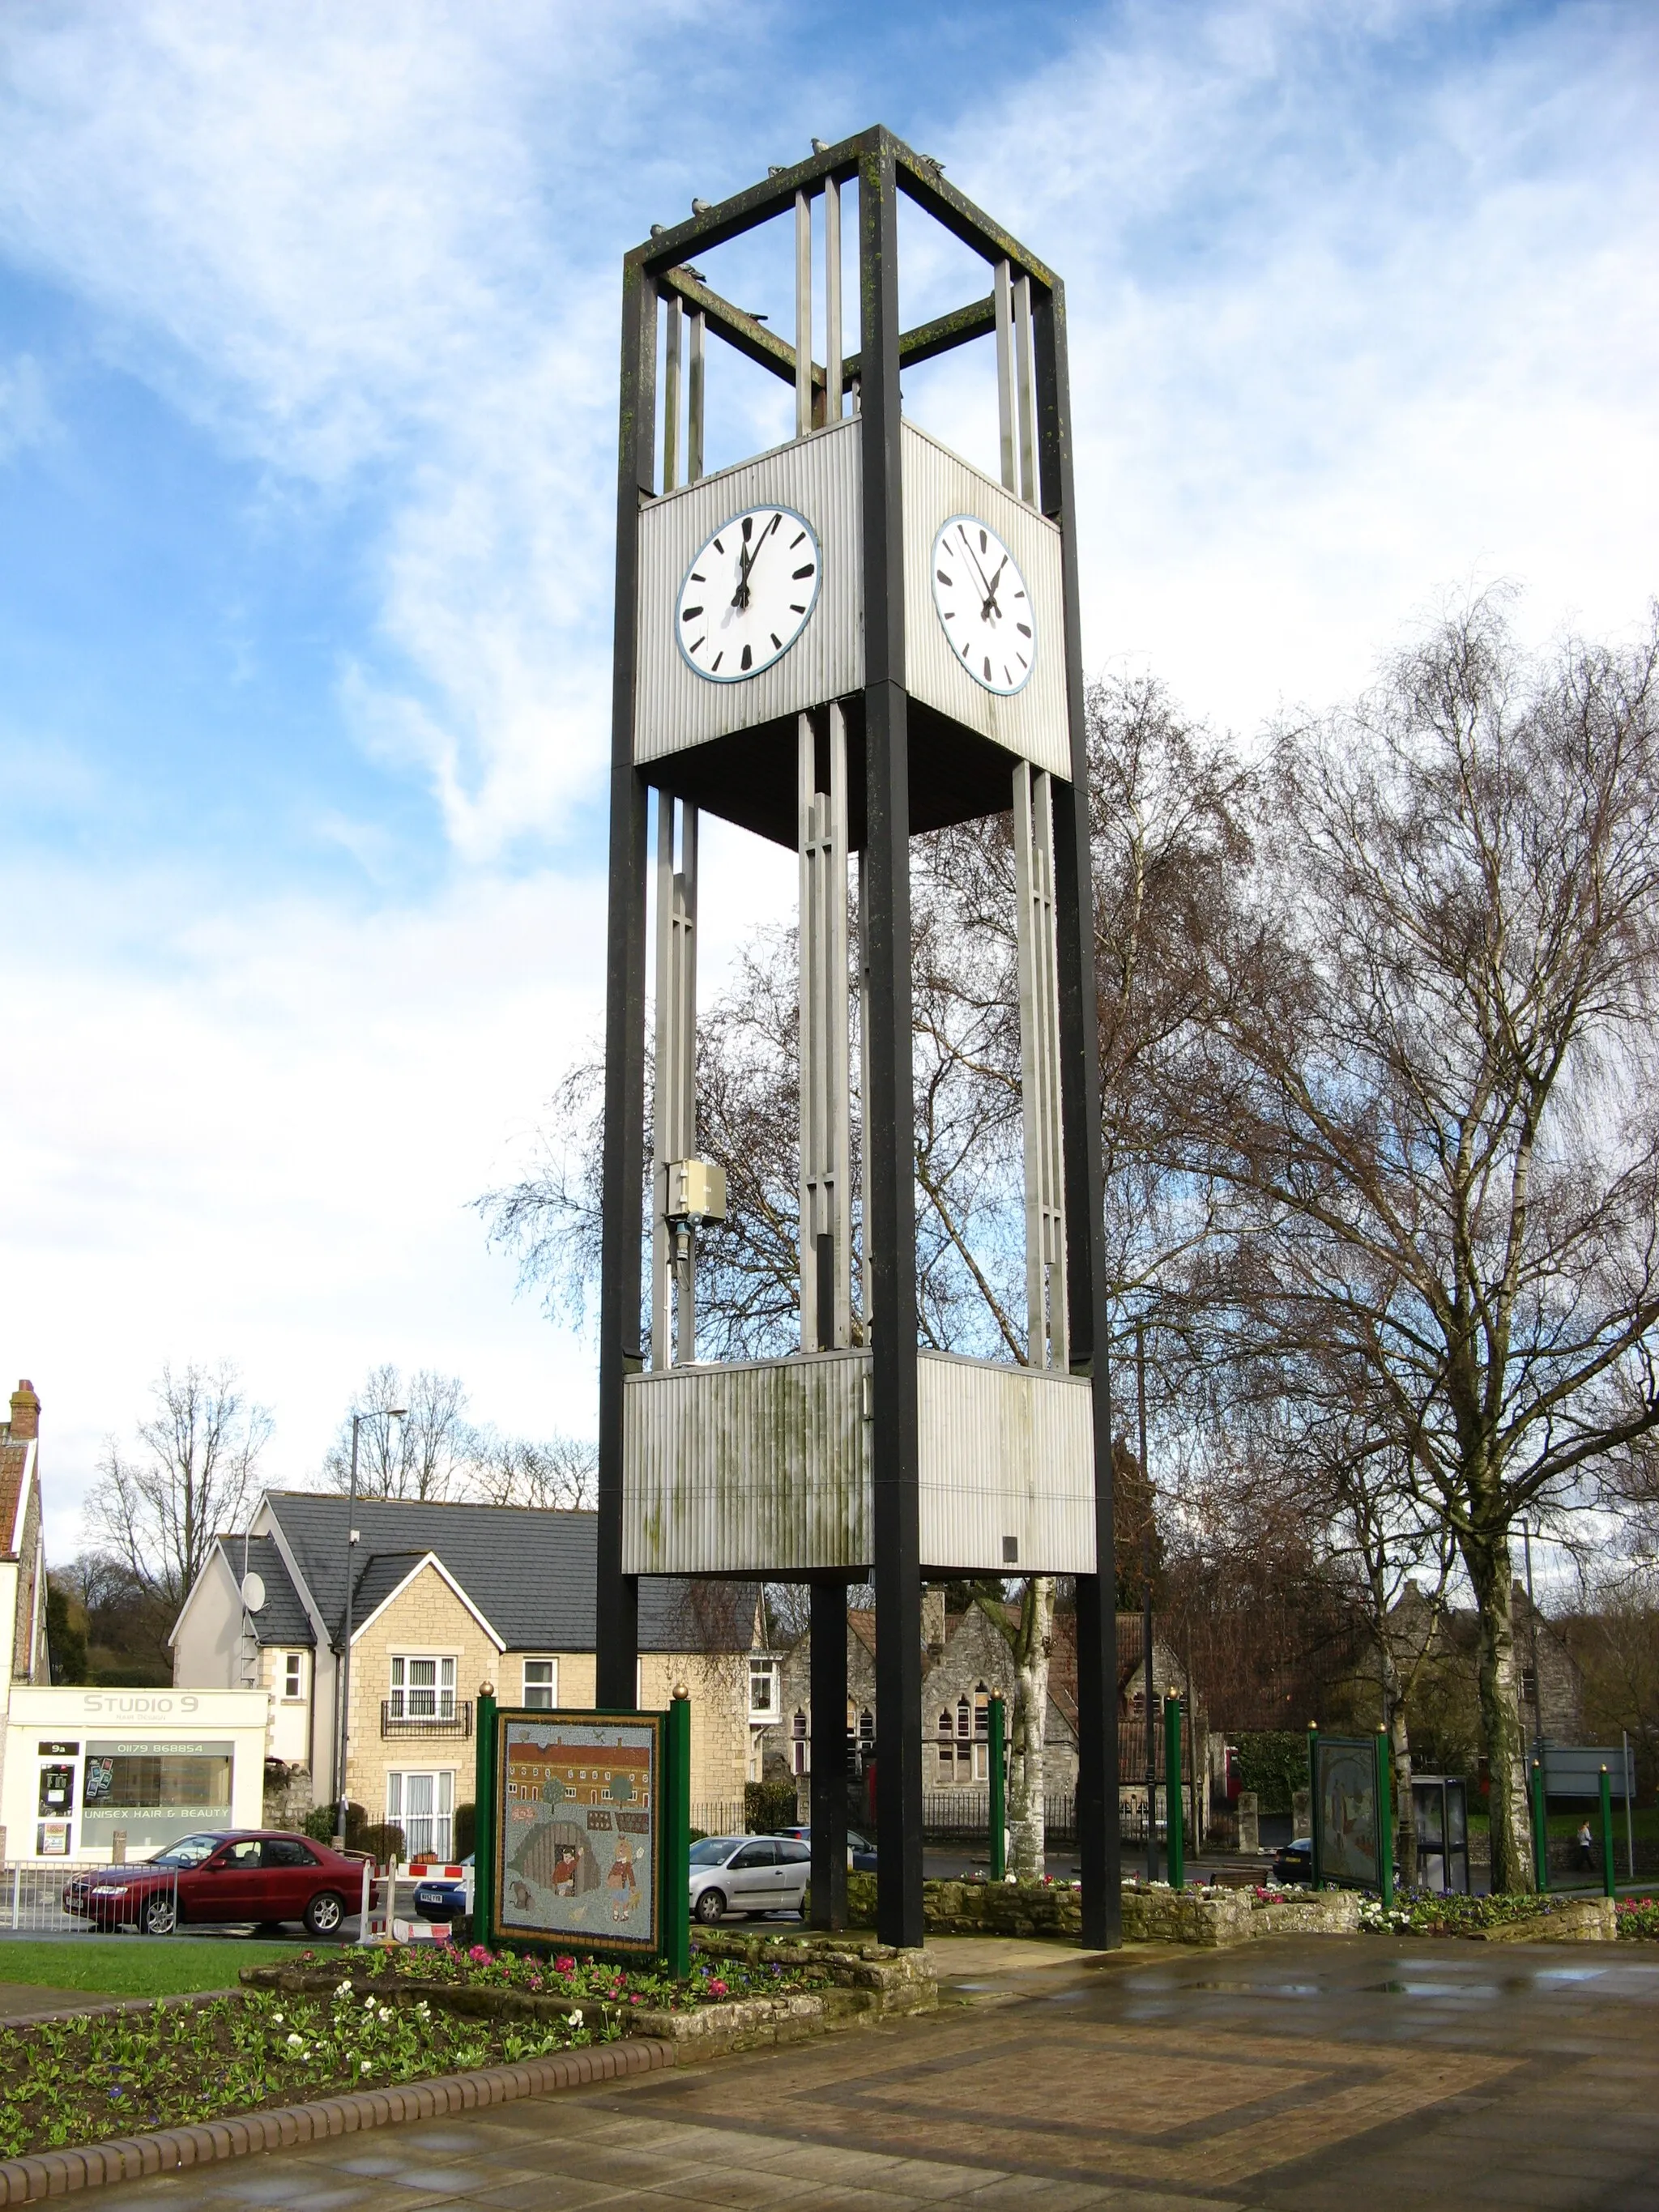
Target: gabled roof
(282, 1617)
(386, 1574)
(530, 1573)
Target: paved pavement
(1299, 2075)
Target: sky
(308, 342)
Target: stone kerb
(1582, 1920)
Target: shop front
(89, 1773)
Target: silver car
(747, 1874)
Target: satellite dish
(253, 1592)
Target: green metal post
(676, 1860)
(1384, 1818)
(484, 1840)
(1174, 1824)
(998, 1780)
(1313, 1797)
(1540, 1829)
(1607, 1835)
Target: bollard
(1607, 1835)
(1173, 1827)
(676, 1817)
(118, 1848)
(998, 1808)
(1540, 1833)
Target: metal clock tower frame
(860, 769)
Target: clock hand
(748, 556)
(990, 605)
(990, 589)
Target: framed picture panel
(578, 1806)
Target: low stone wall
(868, 1981)
(1208, 1917)
(1584, 1920)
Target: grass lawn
(136, 1965)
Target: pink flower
(717, 1988)
(479, 1956)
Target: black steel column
(617, 1612)
(829, 1695)
(889, 1139)
(1098, 1843)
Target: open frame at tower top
(850, 638)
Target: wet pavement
(1295, 2075)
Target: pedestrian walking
(1586, 1850)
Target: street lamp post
(389, 1413)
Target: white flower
(576, 2020)
(368, 2001)
(344, 1990)
(385, 2015)
(367, 2065)
(294, 2042)
(276, 2019)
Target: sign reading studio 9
(578, 1806)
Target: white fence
(32, 1896)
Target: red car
(262, 1874)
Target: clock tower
(837, 645)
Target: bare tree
(157, 1509)
(559, 1476)
(425, 1454)
(1421, 1092)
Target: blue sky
(308, 346)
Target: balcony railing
(454, 1718)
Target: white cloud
(258, 1132)
(1354, 316)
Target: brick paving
(1297, 2076)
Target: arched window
(801, 1746)
(947, 1755)
(982, 1734)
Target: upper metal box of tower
(694, 565)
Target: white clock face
(984, 604)
(749, 593)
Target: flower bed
(80, 2080)
(1550, 1918)
(1636, 1919)
(478, 1982)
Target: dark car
(445, 1893)
(1294, 1862)
(263, 1875)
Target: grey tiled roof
(282, 1619)
(531, 1573)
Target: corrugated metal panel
(1005, 1451)
(763, 1466)
(818, 477)
(937, 484)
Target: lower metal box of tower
(763, 1466)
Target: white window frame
(768, 1672)
(551, 1685)
(293, 1678)
(440, 1843)
(439, 1689)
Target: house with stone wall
(445, 1598)
(966, 1661)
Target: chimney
(25, 1413)
(932, 1621)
